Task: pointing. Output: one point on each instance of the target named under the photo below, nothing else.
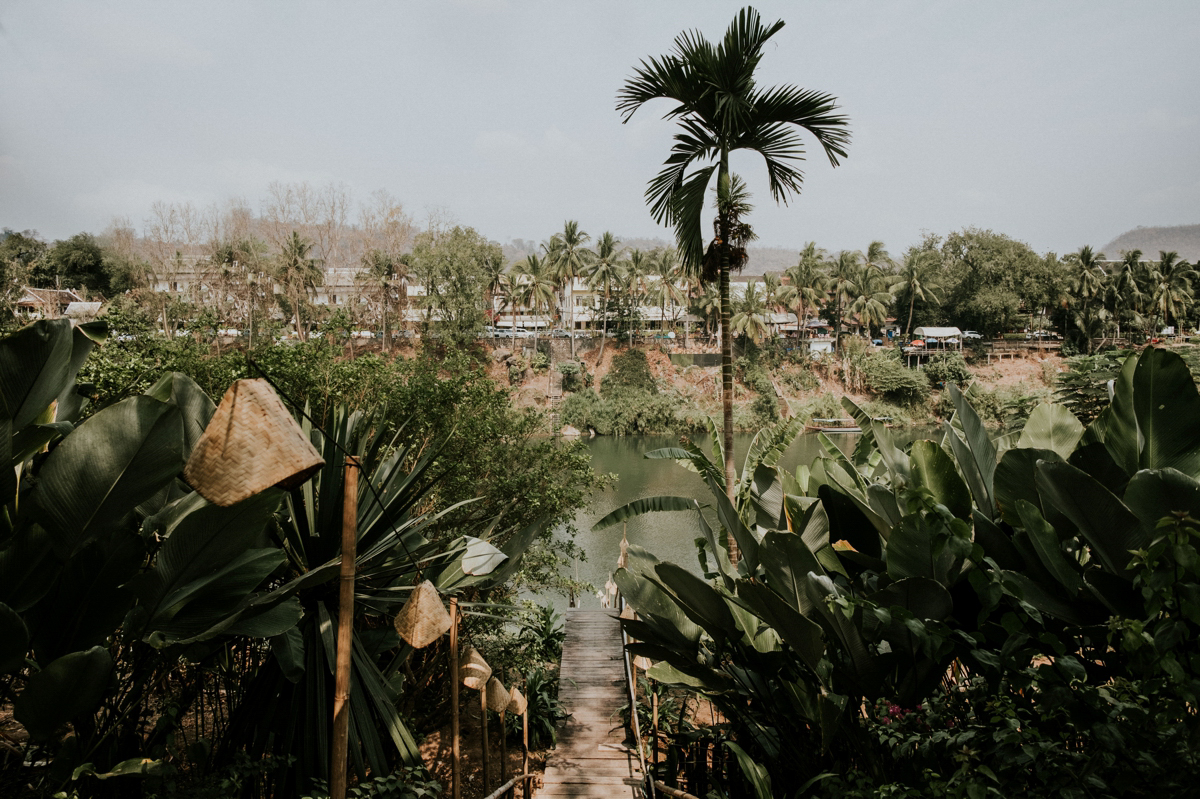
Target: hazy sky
(1061, 123)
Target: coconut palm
(1086, 285)
(918, 272)
(383, 283)
(568, 257)
(1124, 294)
(807, 283)
(751, 317)
(298, 276)
(720, 109)
(664, 267)
(536, 287)
(1172, 280)
(606, 269)
(873, 298)
(707, 306)
(843, 284)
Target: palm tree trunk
(727, 360)
(912, 298)
(604, 330)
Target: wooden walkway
(592, 758)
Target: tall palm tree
(606, 269)
(537, 288)
(495, 284)
(1125, 295)
(720, 109)
(664, 267)
(873, 298)
(843, 284)
(751, 317)
(383, 283)
(917, 275)
(633, 288)
(1087, 284)
(707, 306)
(299, 276)
(1172, 286)
(568, 257)
(807, 284)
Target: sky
(1060, 124)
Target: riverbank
(801, 389)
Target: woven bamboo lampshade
(250, 444)
(498, 696)
(423, 619)
(517, 702)
(475, 670)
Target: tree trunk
(604, 330)
(911, 299)
(727, 360)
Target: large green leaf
(787, 561)
(213, 557)
(1116, 427)
(933, 470)
(1045, 541)
(638, 507)
(799, 632)
(755, 773)
(918, 548)
(38, 363)
(103, 470)
(14, 640)
(1153, 495)
(1167, 408)
(699, 601)
(1015, 480)
(196, 406)
(1051, 427)
(1102, 519)
(974, 451)
(71, 686)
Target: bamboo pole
(483, 732)
(503, 748)
(525, 751)
(455, 678)
(341, 691)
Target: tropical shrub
(886, 376)
(960, 617)
(629, 370)
(127, 601)
(947, 367)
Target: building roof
(937, 332)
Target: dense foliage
(152, 641)
(963, 617)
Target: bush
(800, 380)
(619, 412)
(948, 367)
(886, 376)
(572, 373)
(630, 369)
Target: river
(670, 536)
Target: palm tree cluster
(1111, 299)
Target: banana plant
(892, 563)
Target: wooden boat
(818, 425)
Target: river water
(670, 536)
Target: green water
(670, 536)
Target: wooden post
(483, 732)
(504, 735)
(341, 691)
(525, 752)
(654, 726)
(455, 679)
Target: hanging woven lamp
(517, 702)
(423, 619)
(250, 444)
(498, 696)
(475, 670)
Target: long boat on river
(819, 425)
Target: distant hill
(1183, 239)
(762, 259)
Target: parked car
(558, 332)
(1045, 335)
(971, 334)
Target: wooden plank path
(592, 758)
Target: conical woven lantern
(475, 670)
(517, 702)
(250, 444)
(423, 619)
(498, 696)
